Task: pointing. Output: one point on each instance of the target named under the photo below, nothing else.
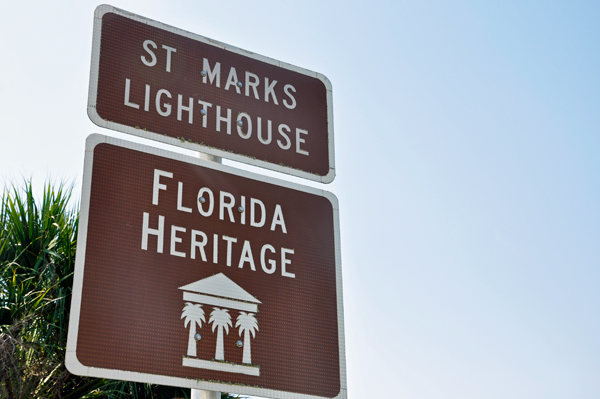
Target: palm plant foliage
(37, 252)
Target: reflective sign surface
(162, 83)
(194, 274)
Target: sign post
(159, 82)
(198, 393)
(194, 274)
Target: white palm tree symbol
(248, 325)
(220, 320)
(194, 314)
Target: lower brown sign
(194, 274)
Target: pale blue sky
(468, 167)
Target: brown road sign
(159, 82)
(193, 274)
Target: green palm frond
(38, 240)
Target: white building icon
(223, 295)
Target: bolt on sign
(159, 82)
(194, 274)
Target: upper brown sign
(155, 81)
(194, 274)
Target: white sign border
(71, 361)
(93, 91)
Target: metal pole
(198, 393)
(208, 157)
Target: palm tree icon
(194, 314)
(220, 319)
(248, 325)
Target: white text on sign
(201, 243)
